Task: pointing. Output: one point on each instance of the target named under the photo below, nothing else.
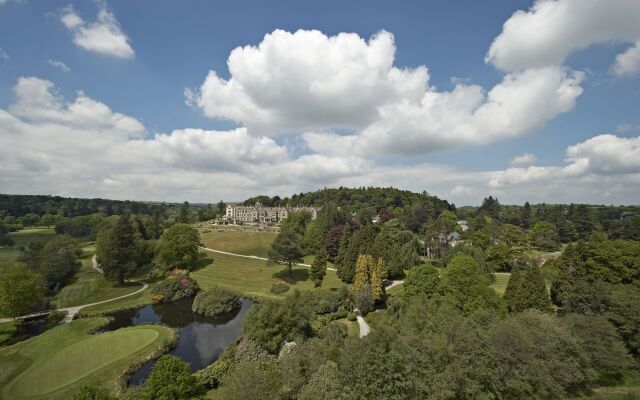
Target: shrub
(215, 301)
(55, 317)
(351, 316)
(91, 393)
(174, 288)
(278, 288)
(171, 378)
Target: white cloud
(628, 63)
(308, 82)
(523, 160)
(3, 55)
(103, 36)
(59, 64)
(66, 147)
(551, 30)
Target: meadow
(9, 254)
(254, 277)
(56, 363)
(241, 241)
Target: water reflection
(201, 339)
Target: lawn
(56, 363)
(23, 238)
(7, 330)
(253, 277)
(136, 300)
(500, 284)
(89, 286)
(245, 242)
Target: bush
(215, 301)
(278, 288)
(171, 378)
(55, 317)
(351, 316)
(91, 393)
(174, 288)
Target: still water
(201, 339)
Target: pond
(28, 329)
(201, 339)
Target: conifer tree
(319, 267)
(364, 266)
(528, 291)
(377, 281)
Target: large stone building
(259, 214)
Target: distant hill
(357, 198)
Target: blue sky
(169, 47)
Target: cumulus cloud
(59, 64)
(551, 30)
(628, 63)
(82, 148)
(523, 160)
(103, 36)
(307, 81)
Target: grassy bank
(253, 277)
(9, 254)
(245, 242)
(56, 363)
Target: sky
(204, 101)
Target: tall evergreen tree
(525, 215)
(118, 249)
(183, 216)
(527, 291)
(319, 267)
(376, 278)
(364, 265)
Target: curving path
(73, 311)
(253, 257)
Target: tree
(467, 287)
(286, 249)
(30, 220)
(48, 220)
(528, 290)
(319, 267)
(119, 248)
(513, 235)
(184, 216)
(91, 393)
(178, 246)
(631, 228)
(525, 215)
(361, 242)
(364, 265)
(20, 289)
(490, 207)
(332, 242)
(57, 261)
(500, 257)
(369, 274)
(271, 323)
(156, 225)
(421, 280)
(171, 379)
(544, 236)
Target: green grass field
(89, 286)
(7, 330)
(56, 363)
(9, 254)
(254, 277)
(245, 242)
(500, 284)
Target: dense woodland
(567, 323)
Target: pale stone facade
(259, 214)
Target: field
(56, 363)
(245, 242)
(89, 286)
(500, 284)
(23, 238)
(253, 277)
(7, 329)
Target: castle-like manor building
(259, 214)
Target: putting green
(82, 359)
